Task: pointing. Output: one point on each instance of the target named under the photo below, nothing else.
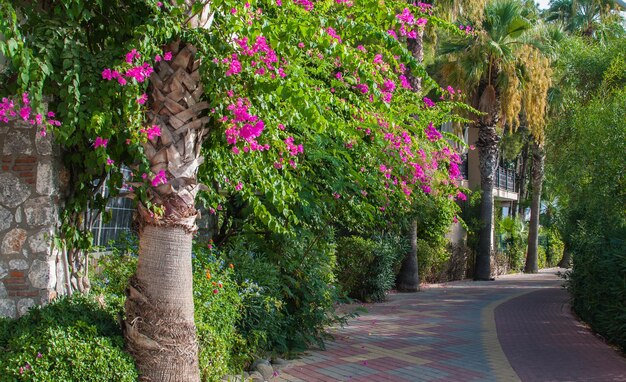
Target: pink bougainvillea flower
(100, 142)
(428, 102)
(159, 179)
(110, 161)
(432, 134)
(239, 186)
(25, 113)
(167, 56)
(142, 100)
(332, 33)
(152, 132)
(130, 56)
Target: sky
(543, 4)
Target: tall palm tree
(581, 16)
(159, 326)
(486, 68)
(536, 63)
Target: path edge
(497, 359)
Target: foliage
(553, 245)
(336, 60)
(71, 339)
(586, 173)
(114, 269)
(263, 317)
(432, 261)
(366, 268)
(218, 308)
(513, 237)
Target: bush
(367, 268)
(288, 289)
(262, 316)
(554, 247)
(217, 310)
(71, 339)
(597, 285)
(513, 242)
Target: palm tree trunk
(521, 181)
(408, 278)
(159, 327)
(487, 144)
(566, 261)
(533, 229)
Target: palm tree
(485, 67)
(159, 326)
(536, 59)
(581, 16)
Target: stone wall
(31, 271)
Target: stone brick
(23, 305)
(6, 218)
(7, 308)
(13, 191)
(45, 183)
(13, 242)
(17, 142)
(18, 264)
(42, 274)
(18, 215)
(16, 273)
(40, 242)
(43, 144)
(3, 270)
(40, 211)
(3, 291)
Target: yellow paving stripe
(495, 355)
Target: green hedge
(71, 339)
(367, 268)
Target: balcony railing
(505, 179)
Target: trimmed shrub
(367, 268)
(71, 339)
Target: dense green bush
(288, 288)
(554, 246)
(72, 339)
(367, 267)
(217, 310)
(586, 168)
(262, 317)
(514, 242)
(433, 260)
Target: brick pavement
(445, 333)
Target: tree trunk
(487, 144)
(566, 261)
(408, 278)
(532, 265)
(521, 181)
(416, 47)
(159, 328)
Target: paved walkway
(517, 328)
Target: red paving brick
(544, 342)
(452, 333)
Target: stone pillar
(31, 271)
